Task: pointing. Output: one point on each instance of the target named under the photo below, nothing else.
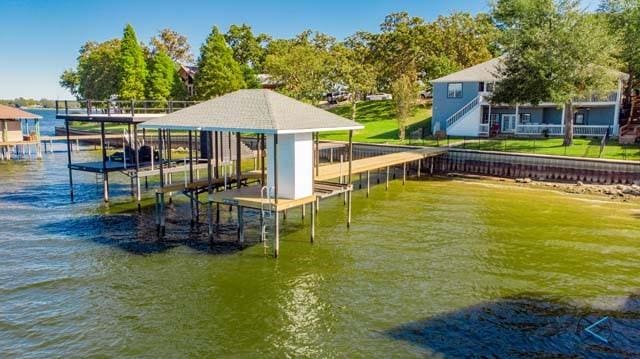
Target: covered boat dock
(289, 174)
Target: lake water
(436, 267)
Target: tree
(302, 67)
(456, 42)
(405, 93)
(623, 17)
(133, 67)
(353, 72)
(398, 48)
(97, 72)
(218, 73)
(555, 52)
(70, 80)
(173, 44)
(162, 77)
(250, 78)
(248, 49)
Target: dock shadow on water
(525, 326)
(136, 232)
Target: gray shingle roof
(488, 72)
(256, 111)
(484, 72)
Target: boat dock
(287, 172)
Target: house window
(525, 118)
(481, 86)
(454, 90)
(579, 120)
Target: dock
(338, 170)
(281, 136)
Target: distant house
(14, 125)
(462, 107)
(188, 73)
(18, 128)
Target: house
(18, 128)
(188, 73)
(462, 107)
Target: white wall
(11, 129)
(295, 165)
(469, 125)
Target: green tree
(555, 52)
(179, 89)
(623, 17)
(218, 73)
(398, 48)
(302, 65)
(353, 72)
(405, 94)
(133, 67)
(455, 42)
(173, 44)
(70, 80)
(250, 78)
(162, 74)
(97, 71)
(248, 49)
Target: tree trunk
(402, 130)
(353, 109)
(568, 124)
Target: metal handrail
(109, 107)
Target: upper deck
(117, 111)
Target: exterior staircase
(456, 124)
(630, 132)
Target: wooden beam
(276, 249)
(238, 159)
(350, 177)
(210, 184)
(66, 125)
(105, 175)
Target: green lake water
(435, 268)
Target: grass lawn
(380, 123)
(95, 127)
(582, 147)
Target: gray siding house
(462, 107)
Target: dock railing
(119, 107)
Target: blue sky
(40, 38)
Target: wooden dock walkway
(337, 170)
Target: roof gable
(14, 113)
(488, 72)
(253, 110)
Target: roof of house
(253, 111)
(488, 72)
(14, 113)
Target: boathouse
(286, 129)
(19, 129)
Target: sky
(41, 38)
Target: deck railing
(540, 129)
(597, 97)
(590, 130)
(117, 107)
(558, 130)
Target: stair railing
(463, 111)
